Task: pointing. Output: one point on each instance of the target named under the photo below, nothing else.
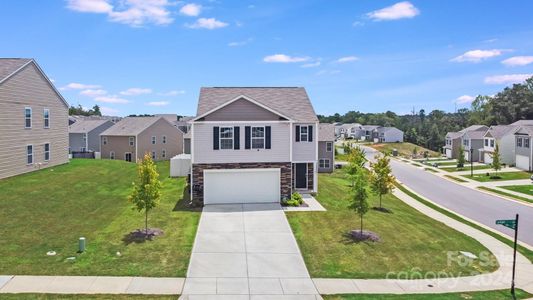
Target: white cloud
(108, 110)
(135, 13)
(518, 61)
(93, 92)
(111, 99)
(311, 65)
(282, 58)
(347, 59)
(397, 11)
(191, 10)
(464, 99)
(158, 103)
(241, 43)
(90, 6)
(207, 23)
(477, 55)
(506, 79)
(79, 86)
(136, 92)
(172, 93)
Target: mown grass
(455, 178)
(404, 149)
(500, 176)
(524, 189)
(409, 239)
(51, 208)
(485, 295)
(467, 168)
(512, 196)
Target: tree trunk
(146, 223)
(361, 225)
(380, 200)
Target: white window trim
(331, 148)
(104, 140)
(126, 153)
(26, 118)
(519, 142)
(163, 153)
(154, 140)
(164, 139)
(322, 163)
(526, 143)
(46, 118)
(131, 141)
(153, 154)
(306, 133)
(252, 138)
(28, 154)
(111, 154)
(220, 138)
(49, 151)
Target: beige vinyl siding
(173, 146)
(28, 88)
(120, 145)
(204, 153)
(304, 151)
(242, 110)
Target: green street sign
(507, 223)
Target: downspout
(315, 171)
(192, 160)
(290, 153)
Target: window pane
(258, 131)
(258, 143)
(226, 132)
(226, 143)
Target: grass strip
(505, 194)
(455, 178)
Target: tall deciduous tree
(146, 191)
(381, 178)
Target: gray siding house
(33, 119)
(251, 145)
(503, 136)
(84, 134)
(524, 148)
(389, 135)
(454, 140)
(326, 148)
(133, 137)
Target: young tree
(415, 152)
(496, 159)
(381, 178)
(359, 197)
(356, 162)
(461, 158)
(147, 191)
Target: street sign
(507, 223)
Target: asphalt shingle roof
(523, 122)
(9, 65)
(498, 131)
(85, 126)
(326, 132)
(292, 102)
(131, 126)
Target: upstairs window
(519, 142)
(29, 154)
(46, 117)
(153, 140)
(526, 143)
(258, 137)
(486, 142)
(163, 153)
(132, 141)
(46, 152)
(27, 117)
(304, 133)
(164, 139)
(104, 140)
(329, 146)
(466, 143)
(226, 137)
(492, 143)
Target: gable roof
(499, 131)
(474, 128)
(385, 129)
(523, 122)
(370, 127)
(474, 134)
(326, 132)
(85, 125)
(131, 126)
(291, 102)
(453, 134)
(11, 66)
(527, 129)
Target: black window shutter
(310, 133)
(236, 138)
(267, 137)
(247, 137)
(297, 133)
(215, 138)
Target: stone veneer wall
(310, 176)
(198, 175)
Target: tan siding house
(33, 119)
(133, 137)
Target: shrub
(297, 198)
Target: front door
(301, 176)
(127, 157)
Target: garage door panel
(488, 158)
(241, 186)
(522, 162)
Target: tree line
(429, 129)
(80, 111)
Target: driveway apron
(246, 250)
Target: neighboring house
(253, 145)
(133, 137)
(454, 140)
(326, 148)
(33, 119)
(369, 133)
(84, 134)
(473, 144)
(524, 148)
(187, 143)
(503, 135)
(389, 135)
(346, 130)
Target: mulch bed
(364, 236)
(142, 235)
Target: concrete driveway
(246, 252)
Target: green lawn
(524, 189)
(49, 209)
(441, 163)
(503, 176)
(404, 149)
(455, 178)
(487, 295)
(409, 239)
(513, 196)
(467, 168)
(431, 170)
(416, 164)
(86, 297)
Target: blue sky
(152, 56)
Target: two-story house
(33, 119)
(454, 141)
(389, 135)
(524, 148)
(253, 144)
(84, 134)
(132, 137)
(503, 136)
(326, 148)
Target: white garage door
(241, 186)
(449, 153)
(488, 158)
(522, 162)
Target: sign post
(513, 224)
